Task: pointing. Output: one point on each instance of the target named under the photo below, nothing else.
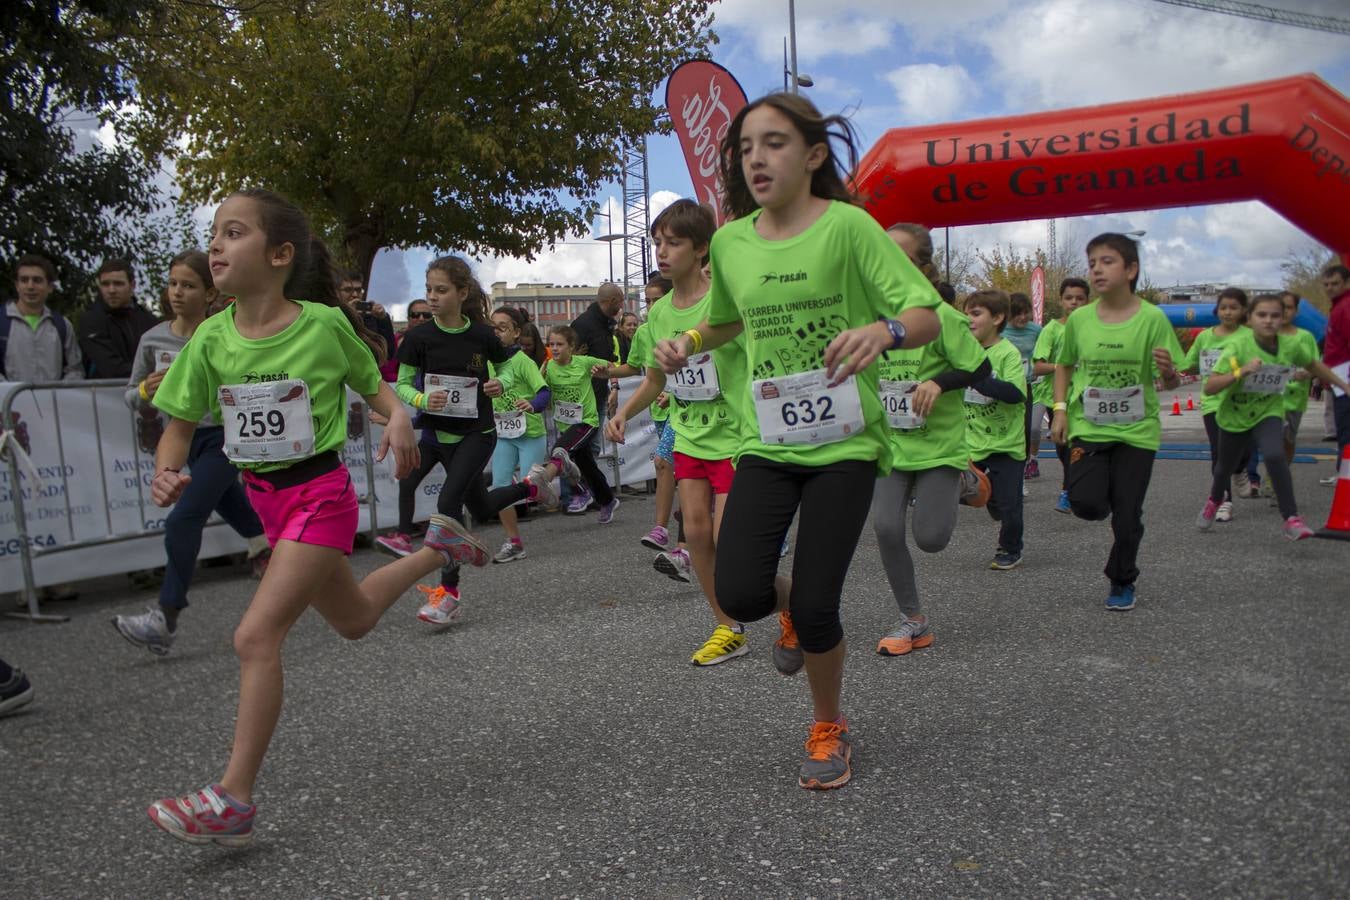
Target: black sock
(170, 617)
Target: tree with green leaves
(467, 125)
(73, 204)
(1009, 269)
(1302, 270)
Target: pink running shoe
(1205, 521)
(208, 816)
(397, 543)
(454, 542)
(1295, 529)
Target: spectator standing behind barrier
(37, 343)
(111, 329)
(215, 481)
(1336, 352)
(352, 291)
(418, 313)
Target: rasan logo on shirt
(259, 377)
(781, 277)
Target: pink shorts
(717, 472)
(321, 511)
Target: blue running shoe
(1121, 598)
(1063, 504)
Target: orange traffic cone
(1190, 403)
(1176, 407)
(1338, 522)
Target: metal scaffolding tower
(636, 223)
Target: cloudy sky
(894, 64)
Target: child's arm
(1220, 381)
(646, 394)
(1322, 371)
(1059, 414)
(672, 353)
(398, 434)
(172, 452)
(1167, 370)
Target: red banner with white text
(703, 98)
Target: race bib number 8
(461, 395)
(1114, 406)
(1267, 380)
(697, 380)
(897, 398)
(269, 422)
(804, 409)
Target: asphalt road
(557, 742)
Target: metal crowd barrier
(15, 459)
(10, 453)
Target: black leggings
(576, 440)
(464, 484)
(1111, 480)
(1268, 434)
(1212, 430)
(834, 502)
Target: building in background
(551, 304)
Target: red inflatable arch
(1284, 142)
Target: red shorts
(321, 511)
(717, 472)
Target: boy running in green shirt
(996, 422)
(1106, 404)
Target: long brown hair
(312, 276)
(830, 181)
(461, 276)
(923, 253)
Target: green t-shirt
(520, 380)
(319, 348)
(571, 387)
(33, 321)
(1296, 397)
(940, 440)
(705, 428)
(993, 426)
(1204, 353)
(794, 296)
(641, 349)
(1047, 350)
(1243, 403)
(1114, 373)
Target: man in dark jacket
(111, 329)
(595, 333)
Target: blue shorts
(665, 442)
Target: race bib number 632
(804, 409)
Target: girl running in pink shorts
(273, 370)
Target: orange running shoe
(787, 652)
(910, 634)
(827, 754)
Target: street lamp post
(791, 79)
(609, 238)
